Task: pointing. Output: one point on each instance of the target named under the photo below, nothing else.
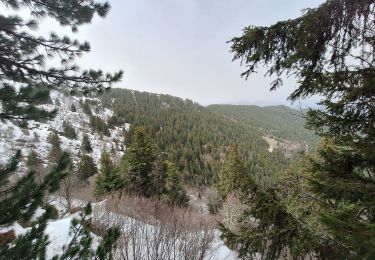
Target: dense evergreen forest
(192, 136)
(278, 121)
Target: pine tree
(86, 144)
(22, 61)
(140, 158)
(55, 150)
(19, 200)
(69, 130)
(86, 167)
(231, 174)
(158, 176)
(33, 161)
(26, 80)
(176, 195)
(80, 247)
(99, 125)
(329, 50)
(109, 178)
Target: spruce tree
(232, 172)
(329, 50)
(86, 144)
(55, 150)
(86, 167)
(109, 179)
(140, 158)
(158, 176)
(176, 195)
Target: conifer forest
(191, 130)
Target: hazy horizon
(180, 48)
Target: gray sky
(179, 47)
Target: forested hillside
(278, 121)
(189, 134)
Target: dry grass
(7, 237)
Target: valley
(193, 137)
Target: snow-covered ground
(59, 233)
(13, 137)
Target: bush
(54, 213)
(69, 130)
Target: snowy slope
(13, 137)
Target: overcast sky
(179, 47)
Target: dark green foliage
(158, 176)
(109, 179)
(86, 167)
(99, 125)
(13, 201)
(12, 102)
(232, 173)
(267, 227)
(330, 51)
(139, 162)
(114, 121)
(342, 177)
(20, 199)
(31, 245)
(69, 130)
(176, 195)
(73, 108)
(104, 250)
(55, 150)
(86, 144)
(188, 134)
(80, 247)
(278, 121)
(33, 162)
(23, 60)
(26, 79)
(54, 211)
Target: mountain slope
(191, 135)
(14, 137)
(277, 121)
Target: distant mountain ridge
(279, 121)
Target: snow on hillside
(13, 137)
(144, 234)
